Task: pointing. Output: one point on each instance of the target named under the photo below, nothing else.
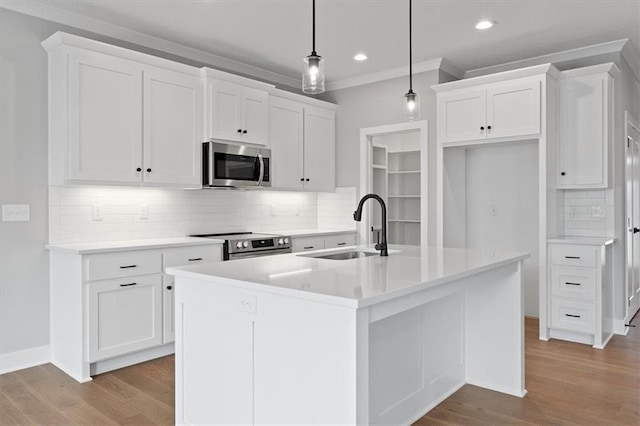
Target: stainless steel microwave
(227, 165)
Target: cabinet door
(125, 315)
(255, 113)
(172, 127)
(462, 115)
(513, 109)
(224, 110)
(286, 142)
(105, 118)
(582, 132)
(168, 309)
(338, 241)
(319, 149)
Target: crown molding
(622, 47)
(71, 19)
(419, 67)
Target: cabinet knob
(562, 173)
(488, 127)
(482, 128)
(169, 287)
(149, 170)
(307, 179)
(239, 130)
(244, 131)
(138, 169)
(301, 179)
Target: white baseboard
(619, 327)
(19, 360)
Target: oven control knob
(245, 244)
(281, 241)
(239, 244)
(286, 241)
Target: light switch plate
(97, 212)
(16, 212)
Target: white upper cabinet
(302, 139)
(104, 117)
(491, 111)
(116, 117)
(172, 127)
(585, 99)
(237, 109)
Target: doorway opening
(632, 216)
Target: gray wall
(378, 104)
(24, 262)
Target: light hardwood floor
(568, 384)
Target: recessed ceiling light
(360, 57)
(485, 25)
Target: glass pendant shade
(313, 74)
(411, 110)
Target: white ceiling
(276, 34)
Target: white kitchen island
(291, 339)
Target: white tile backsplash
(175, 212)
(335, 210)
(588, 212)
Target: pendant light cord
(410, 61)
(313, 26)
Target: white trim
(126, 360)
(53, 14)
(499, 77)
(619, 327)
(609, 67)
(632, 57)
(303, 98)
(420, 67)
(26, 358)
(566, 55)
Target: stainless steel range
(241, 245)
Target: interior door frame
(630, 124)
(366, 142)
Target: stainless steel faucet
(357, 216)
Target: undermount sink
(345, 255)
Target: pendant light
(313, 65)
(411, 99)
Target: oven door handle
(261, 177)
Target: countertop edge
(312, 233)
(130, 247)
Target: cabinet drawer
(124, 264)
(307, 243)
(181, 256)
(573, 315)
(332, 241)
(568, 255)
(574, 282)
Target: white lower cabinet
(580, 304)
(322, 242)
(110, 310)
(125, 315)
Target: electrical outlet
(574, 212)
(144, 211)
(597, 211)
(97, 212)
(247, 303)
(272, 210)
(493, 210)
(16, 213)
(296, 210)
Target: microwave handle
(261, 161)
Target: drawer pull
(572, 257)
(308, 247)
(572, 316)
(127, 285)
(195, 259)
(568, 283)
(128, 266)
(342, 244)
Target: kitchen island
(294, 339)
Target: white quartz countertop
(590, 241)
(354, 283)
(151, 243)
(312, 232)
